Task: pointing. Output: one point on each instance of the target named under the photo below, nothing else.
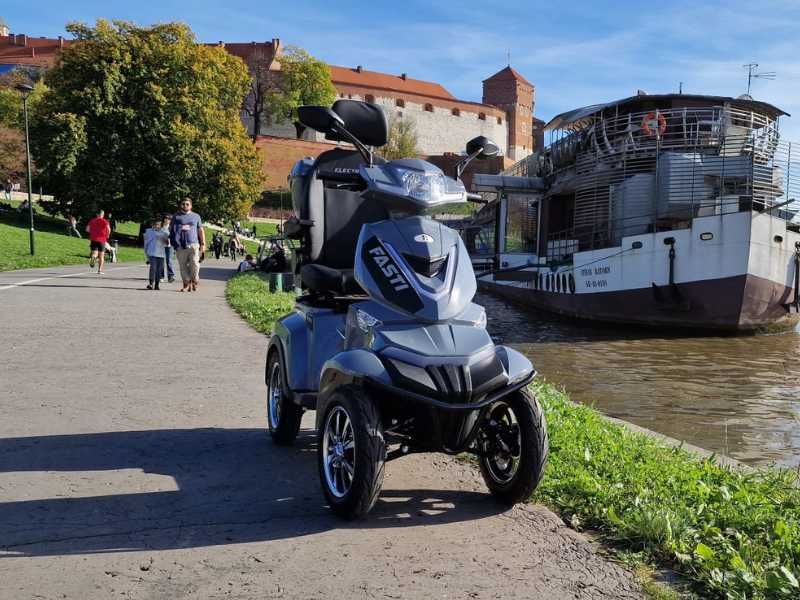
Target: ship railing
(640, 133)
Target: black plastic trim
(450, 406)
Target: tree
(263, 85)
(402, 142)
(13, 162)
(135, 118)
(303, 80)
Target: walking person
(155, 241)
(186, 235)
(99, 230)
(168, 251)
(72, 227)
(7, 188)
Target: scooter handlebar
(475, 198)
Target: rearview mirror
(319, 118)
(485, 147)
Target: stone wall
(442, 129)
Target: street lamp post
(26, 90)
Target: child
(248, 263)
(155, 240)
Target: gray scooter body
(417, 338)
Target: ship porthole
(778, 239)
(706, 236)
(571, 283)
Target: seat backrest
(337, 212)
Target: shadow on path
(233, 485)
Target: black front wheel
(513, 444)
(283, 415)
(351, 452)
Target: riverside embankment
(731, 533)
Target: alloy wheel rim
(338, 452)
(275, 393)
(504, 452)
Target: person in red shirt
(99, 229)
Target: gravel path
(122, 476)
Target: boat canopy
(575, 118)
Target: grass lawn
(249, 296)
(732, 534)
(51, 244)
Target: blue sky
(576, 53)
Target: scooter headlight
(481, 322)
(423, 186)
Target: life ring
(647, 124)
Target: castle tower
(3, 27)
(510, 91)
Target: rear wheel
(351, 452)
(514, 447)
(283, 415)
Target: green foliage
(402, 141)
(133, 119)
(249, 296)
(13, 160)
(304, 80)
(737, 534)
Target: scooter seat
(329, 281)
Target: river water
(738, 396)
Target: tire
(362, 447)
(283, 415)
(513, 475)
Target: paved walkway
(134, 464)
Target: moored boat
(671, 210)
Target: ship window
(369, 98)
(521, 224)
(456, 112)
(571, 283)
(564, 282)
(706, 235)
(482, 116)
(541, 281)
(429, 108)
(400, 102)
(549, 281)
(499, 120)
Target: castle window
(400, 103)
(499, 120)
(456, 112)
(429, 108)
(482, 116)
(369, 98)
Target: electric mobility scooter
(385, 342)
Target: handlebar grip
(475, 198)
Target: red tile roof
(508, 73)
(384, 81)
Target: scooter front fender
(347, 367)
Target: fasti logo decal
(388, 268)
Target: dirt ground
(134, 464)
